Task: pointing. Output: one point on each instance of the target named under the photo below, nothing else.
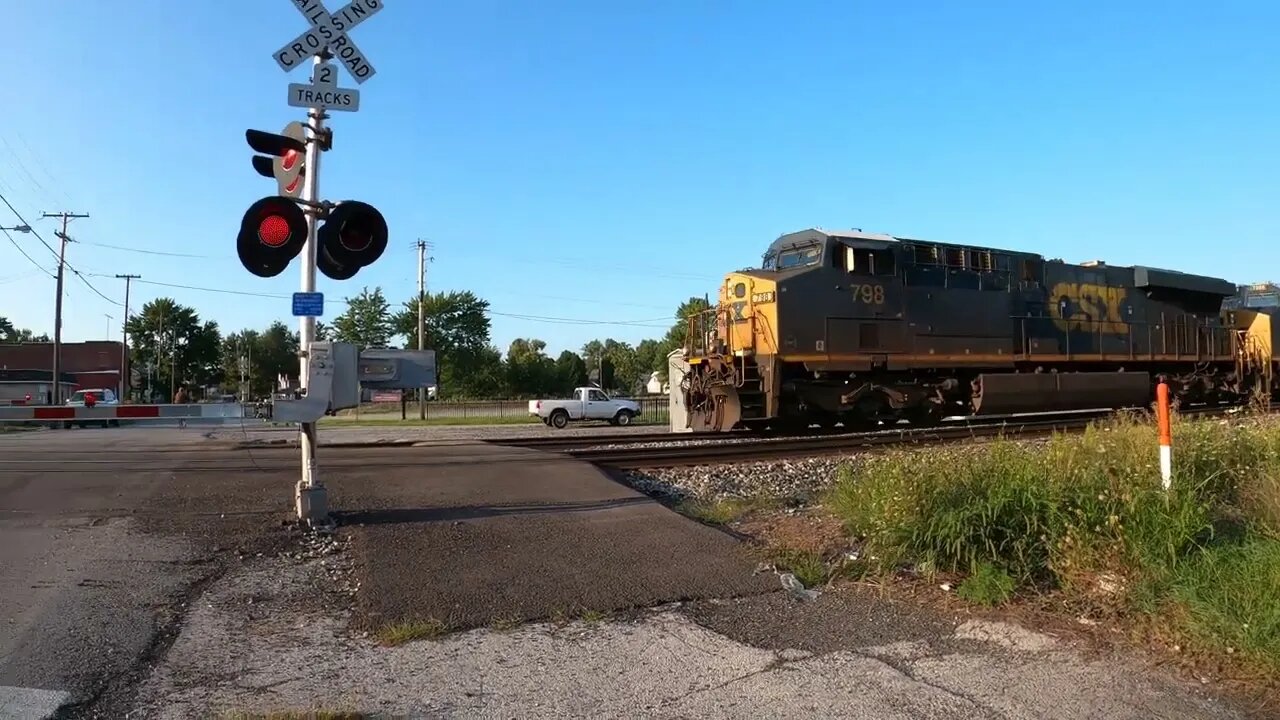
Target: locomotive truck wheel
(724, 414)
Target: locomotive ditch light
(353, 236)
(272, 233)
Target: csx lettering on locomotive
(1088, 307)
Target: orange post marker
(1166, 434)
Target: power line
(518, 316)
(24, 253)
(30, 229)
(80, 275)
(149, 252)
(61, 258)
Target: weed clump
(1086, 515)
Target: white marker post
(326, 38)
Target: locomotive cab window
(799, 257)
(865, 261)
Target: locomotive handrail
(1190, 337)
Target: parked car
(101, 396)
(588, 403)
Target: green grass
(808, 566)
(296, 715)
(1085, 515)
(403, 632)
(721, 511)
(1231, 598)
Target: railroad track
(672, 454)
(583, 441)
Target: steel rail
(778, 448)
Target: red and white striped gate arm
(18, 413)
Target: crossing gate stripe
(114, 412)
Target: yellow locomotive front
(730, 350)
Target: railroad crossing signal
(330, 30)
(272, 233)
(353, 236)
(288, 153)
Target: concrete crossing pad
(18, 703)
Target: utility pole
(422, 295)
(57, 320)
(124, 338)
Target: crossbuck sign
(328, 30)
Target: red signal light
(273, 230)
(272, 233)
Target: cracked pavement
(262, 640)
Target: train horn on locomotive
(863, 328)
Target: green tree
(571, 372)
(619, 366)
(651, 357)
(474, 375)
(530, 373)
(262, 356)
(451, 321)
(11, 334)
(238, 354)
(367, 323)
(675, 337)
(170, 345)
(456, 325)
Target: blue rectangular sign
(308, 304)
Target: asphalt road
(107, 535)
(101, 542)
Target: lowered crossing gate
(338, 370)
(388, 369)
(75, 414)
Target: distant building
(93, 364)
(655, 384)
(32, 387)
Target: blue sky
(593, 163)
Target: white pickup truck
(588, 403)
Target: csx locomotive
(862, 328)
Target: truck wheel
(623, 417)
(559, 419)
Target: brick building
(93, 364)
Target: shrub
(1086, 512)
(988, 585)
